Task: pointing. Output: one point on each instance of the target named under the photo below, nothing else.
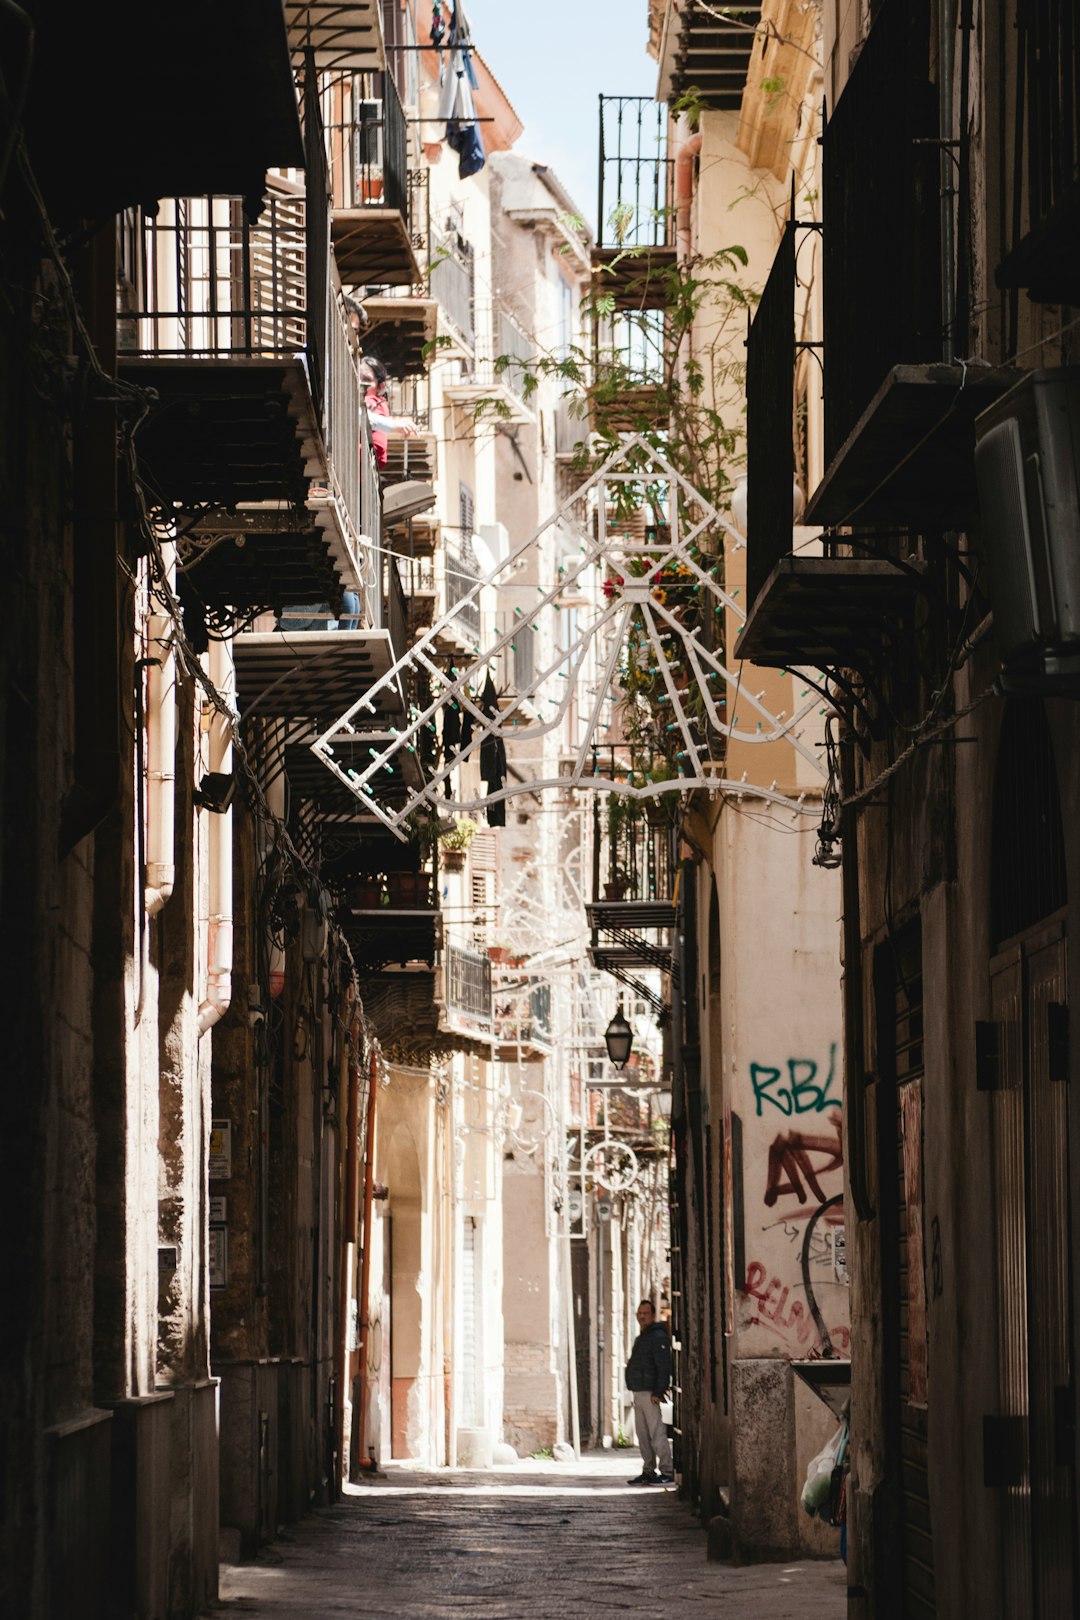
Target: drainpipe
(351, 1064)
(365, 1268)
(219, 852)
(687, 149)
(161, 752)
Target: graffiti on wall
(799, 1090)
(796, 1161)
(778, 1307)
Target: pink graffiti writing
(788, 1317)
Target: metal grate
(881, 250)
(468, 984)
(636, 191)
(770, 397)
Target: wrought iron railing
(571, 426)
(881, 255)
(630, 349)
(634, 840)
(462, 572)
(199, 280)
(1039, 174)
(452, 287)
(468, 986)
(636, 177)
(395, 610)
(366, 141)
(770, 390)
(518, 350)
(202, 281)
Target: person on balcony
(374, 378)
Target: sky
(554, 58)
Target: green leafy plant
(461, 835)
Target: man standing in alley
(648, 1377)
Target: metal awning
(373, 248)
(910, 458)
(399, 331)
(344, 34)
(708, 52)
(311, 673)
(158, 101)
(828, 613)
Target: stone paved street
(542, 1540)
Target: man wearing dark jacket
(648, 1377)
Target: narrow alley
(543, 1538)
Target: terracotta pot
(453, 860)
(365, 894)
(404, 888)
(616, 890)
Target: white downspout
(219, 851)
(161, 751)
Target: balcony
(821, 612)
(468, 1005)
(291, 684)
(341, 33)
(391, 919)
(461, 573)
(706, 52)
(1041, 174)
(635, 246)
(452, 285)
(522, 1022)
(632, 913)
(629, 392)
(494, 384)
(252, 451)
(898, 421)
(375, 226)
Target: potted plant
(407, 889)
(453, 845)
(365, 893)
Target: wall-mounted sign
(221, 1150)
(219, 1208)
(219, 1256)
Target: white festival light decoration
(628, 601)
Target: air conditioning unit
(1027, 467)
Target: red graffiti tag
(791, 1170)
(773, 1302)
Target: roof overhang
(345, 35)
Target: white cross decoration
(629, 594)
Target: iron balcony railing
(452, 284)
(518, 350)
(367, 141)
(636, 176)
(1038, 180)
(571, 425)
(630, 349)
(468, 988)
(462, 572)
(770, 392)
(881, 242)
(200, 282)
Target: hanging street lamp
(619, 1038)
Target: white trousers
(651, 1434)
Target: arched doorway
(1024, 1064)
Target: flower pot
(453, 860)
(365, 894)
(404, 889)
(616, 890)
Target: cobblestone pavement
(545, 1541)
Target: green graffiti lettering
(763, 1078)
(805, 1095)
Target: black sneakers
(666, 1479)
(645, 1479)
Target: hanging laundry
(457, 105)
(492, 757)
